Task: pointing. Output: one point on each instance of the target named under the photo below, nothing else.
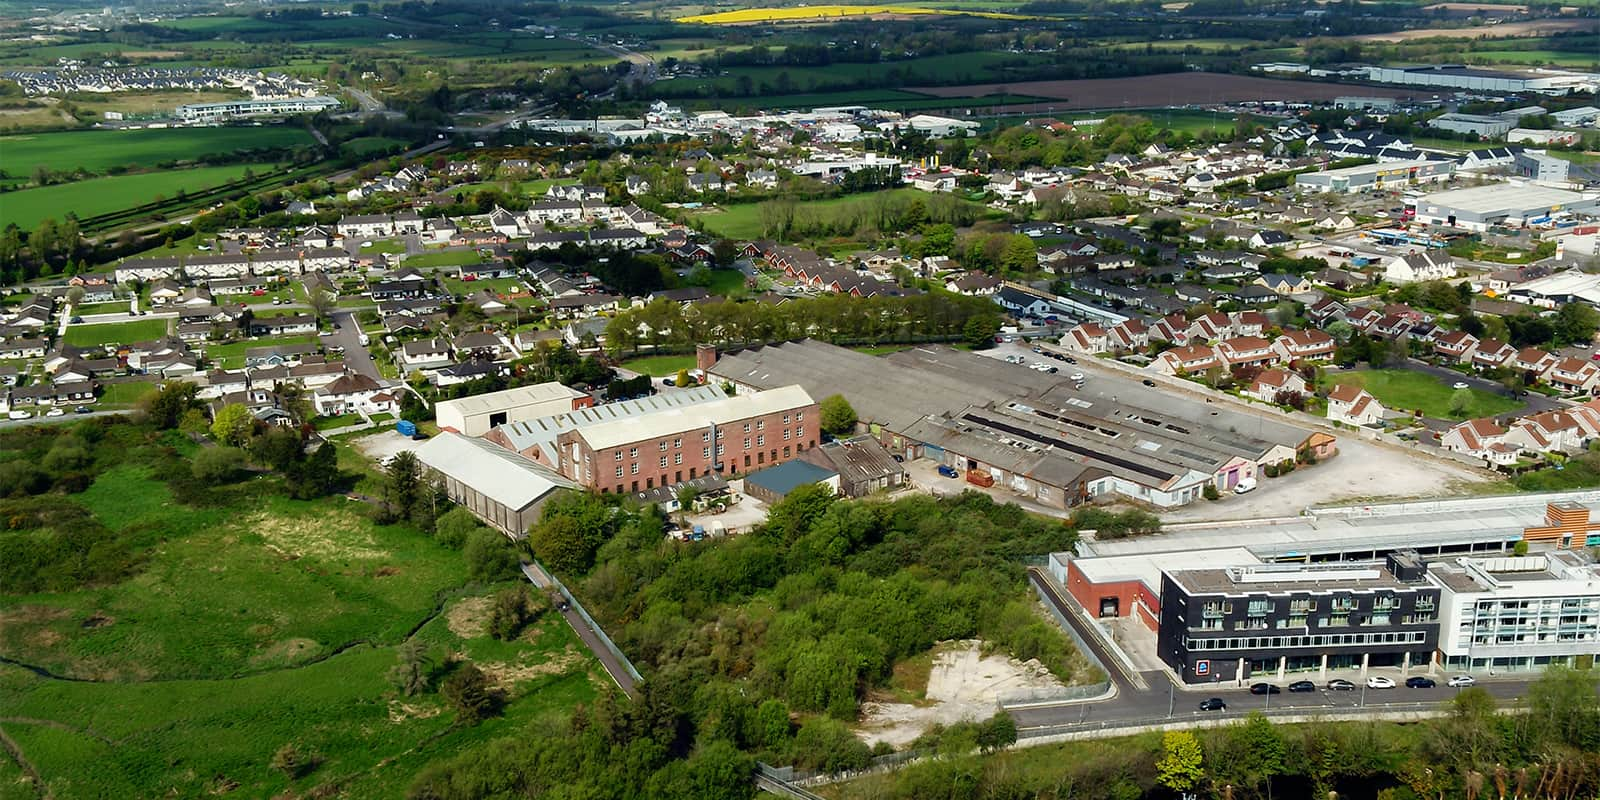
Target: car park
(1420, 682)
(1213, 704)
(1380, 682)
(1264, 688)
(1340, 685)
(1462, 681)
(1302, 686)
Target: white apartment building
(1517, 613)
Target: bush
(513, 609)
(1210, 492)
(454, 526)
(490, 556)
(214, 466)
(469, 693)
(1270, 470)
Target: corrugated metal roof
(499, 474)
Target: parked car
(1380, 682)
(1213, 704)
(81, 410)
(1340, 685)
(1264, 688)
(1461, 681)
(19, 414)
(1419, 682)
(1302, 686)
(56, 412)
(1077, 376)
(1460, 385)
(948, 471)
(1148, 382)
(668, 382)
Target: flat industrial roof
(510, 398)
(701, 415)
(1502, 198)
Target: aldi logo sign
(1202, 667)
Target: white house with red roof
(1130, 334)
(1573, 376)
(1492, 353)
(1482, 439)
(1548, 431)
(1209, 327)
(1246, 351)
(1307, 345)
(1456, 346)
(1353, 405)
(1249, 323)
(1086, 337)
(1187, 359)
(1171, 328)
(1273, 382)
(1533, 360)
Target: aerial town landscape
(970, 399)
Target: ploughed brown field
(1534, 27)
(1149, 91)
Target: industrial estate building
(666, 439)
(1401, 586)
(1040, 436)
(475, 415)
(1383, 175)
(502, 488)
(1457, 76)
(1477, 208)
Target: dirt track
(1148, 91)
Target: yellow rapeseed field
(803, 13)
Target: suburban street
(348, 336)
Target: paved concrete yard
(1362, 470)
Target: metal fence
(1187, 719)
(545, 578)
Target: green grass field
(231, 355)
(1559, 58)
(123, 395)
(1576, 157)
(444, 258)
(254, 628)
(142, 330)
(1404, 390)
(500, 286)
(743, 220)
(727, 283)
(660, 366)
(371, 146)
(104, 195)
(97, 151)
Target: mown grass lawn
(231, 355)
(1405, 390)
(253, 625)
(141, 330)
(122, 395)
(97, 151)
(660, 366)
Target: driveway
(348, 336)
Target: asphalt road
(348, 336)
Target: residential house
(1482, 439)
(1246, 351)
(1456, 346)
(1352, 405)
(1306, 345)
(1132, 334)
(1573, 376)
(1492, 354)
(1086, 337)
(1533, 362)
(1186, 360)
(288, 325)
(1425, 265)
(1270, 384)
(583, 305)
(1270, 238)
(351, 393)
(366, 226)
(1284, 284)
(425, 354)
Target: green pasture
(659, 366)
(97, 196)
(98, 151)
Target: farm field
(1538, 27)
(956, 68)
(371, 146)
(105, 195)
(97, 151)
(142, 330)
(1184, 88)
(889, 99)
(749, 16)
(1560, 58)
(185, 690)
(1399, 389)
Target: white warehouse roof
(509, 398)
(498, 474)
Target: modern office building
(1265, 621)
(475, 415)
(1518, 612)
(210, 112)
(1384, 175)
(1542, 167)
